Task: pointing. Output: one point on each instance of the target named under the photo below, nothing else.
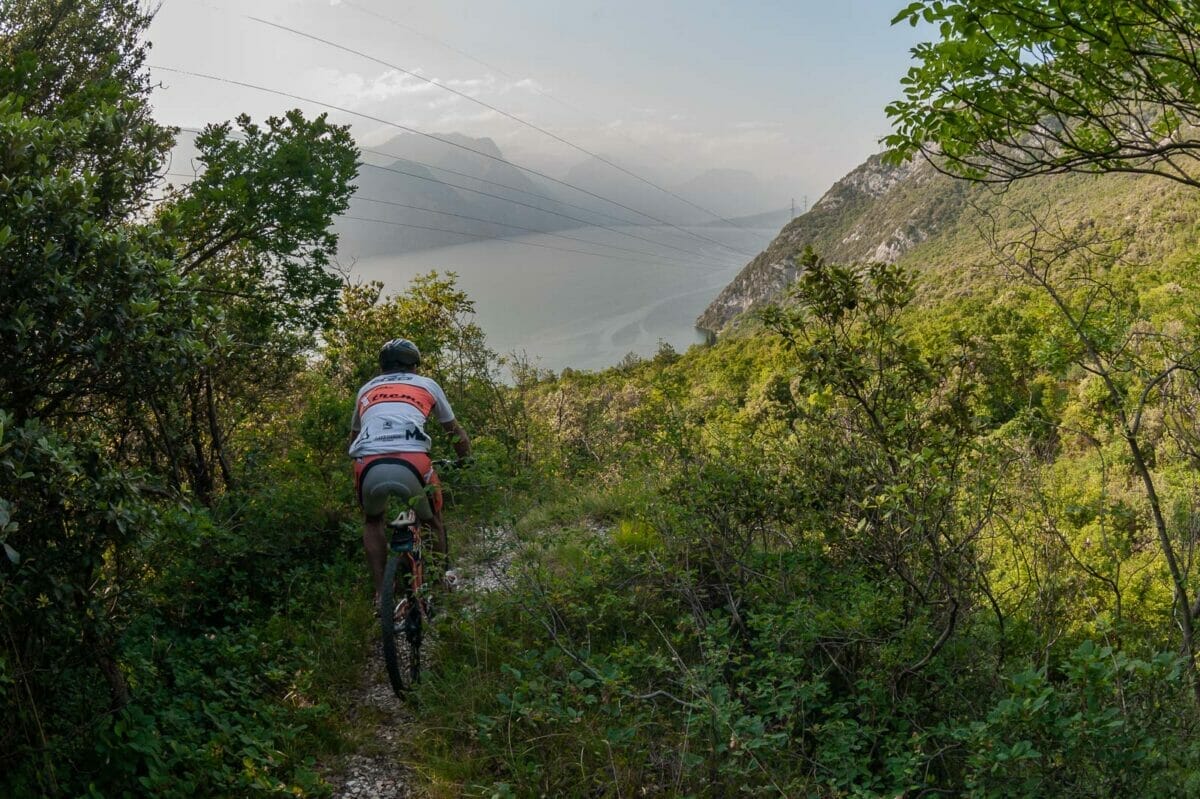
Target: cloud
(359, 91)
(525, 85)
(758, 125)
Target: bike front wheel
(401, 623)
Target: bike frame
(405, 542)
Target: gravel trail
(377, 770)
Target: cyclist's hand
(463, 463)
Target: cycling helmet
(399, 353)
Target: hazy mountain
(602, 179)
(724, 192)
(459, 188)
(771, 220)
(416, 193)
(731, 192)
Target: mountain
(724, 192)
(731, 192)
(475, 194)
(765, 220)
(602, 179)
(874, 213)
(465, 181)
(914, 215)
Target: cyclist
(391, 449)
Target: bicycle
(404, 607)
(403, 611)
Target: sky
(791, 91)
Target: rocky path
(377, 770)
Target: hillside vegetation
(913, 528)
(931, 223)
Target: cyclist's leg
(433, 490)
(375, 545)
(429, 506)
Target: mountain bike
(404, 604)
(403, 608)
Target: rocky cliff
(877, 212)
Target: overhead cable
(662, 258)
(510, 241)
(546, 197)
(712, 259)
(618, 231)
(448, 142)
(497, 110)
(525, 229)
(485, 64)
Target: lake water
(584, 311)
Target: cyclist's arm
(460, 439)
(355, 426)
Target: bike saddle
(406, 518)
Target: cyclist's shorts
(408, 475)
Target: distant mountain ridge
(767, 219)
(388, 191)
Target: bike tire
(401, 627)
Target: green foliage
(141, 648)
(1107, 726)
(899, 538)
(826, 564)
(1018, 88)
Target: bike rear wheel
(401, 623)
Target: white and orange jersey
(390, 414)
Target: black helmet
(399, 353)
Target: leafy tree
(122, 327)
(91, 314)
(1017, 88)
(253, 242)
(903, 485)
(1098, 324)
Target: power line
(491, 66)
(546, 197)
(427, 165)
(619, 232)
(497, 110)
(669, 262)
(525, 229)
(699, 255)
(469, 57)
(508, 241)
(449, 142)
(699, 259)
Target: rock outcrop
(877, 212)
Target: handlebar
(455, 463)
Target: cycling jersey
(390, 414)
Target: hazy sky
(791, 90)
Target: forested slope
(917, 528)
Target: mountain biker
(391, 449)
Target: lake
(580, 310)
